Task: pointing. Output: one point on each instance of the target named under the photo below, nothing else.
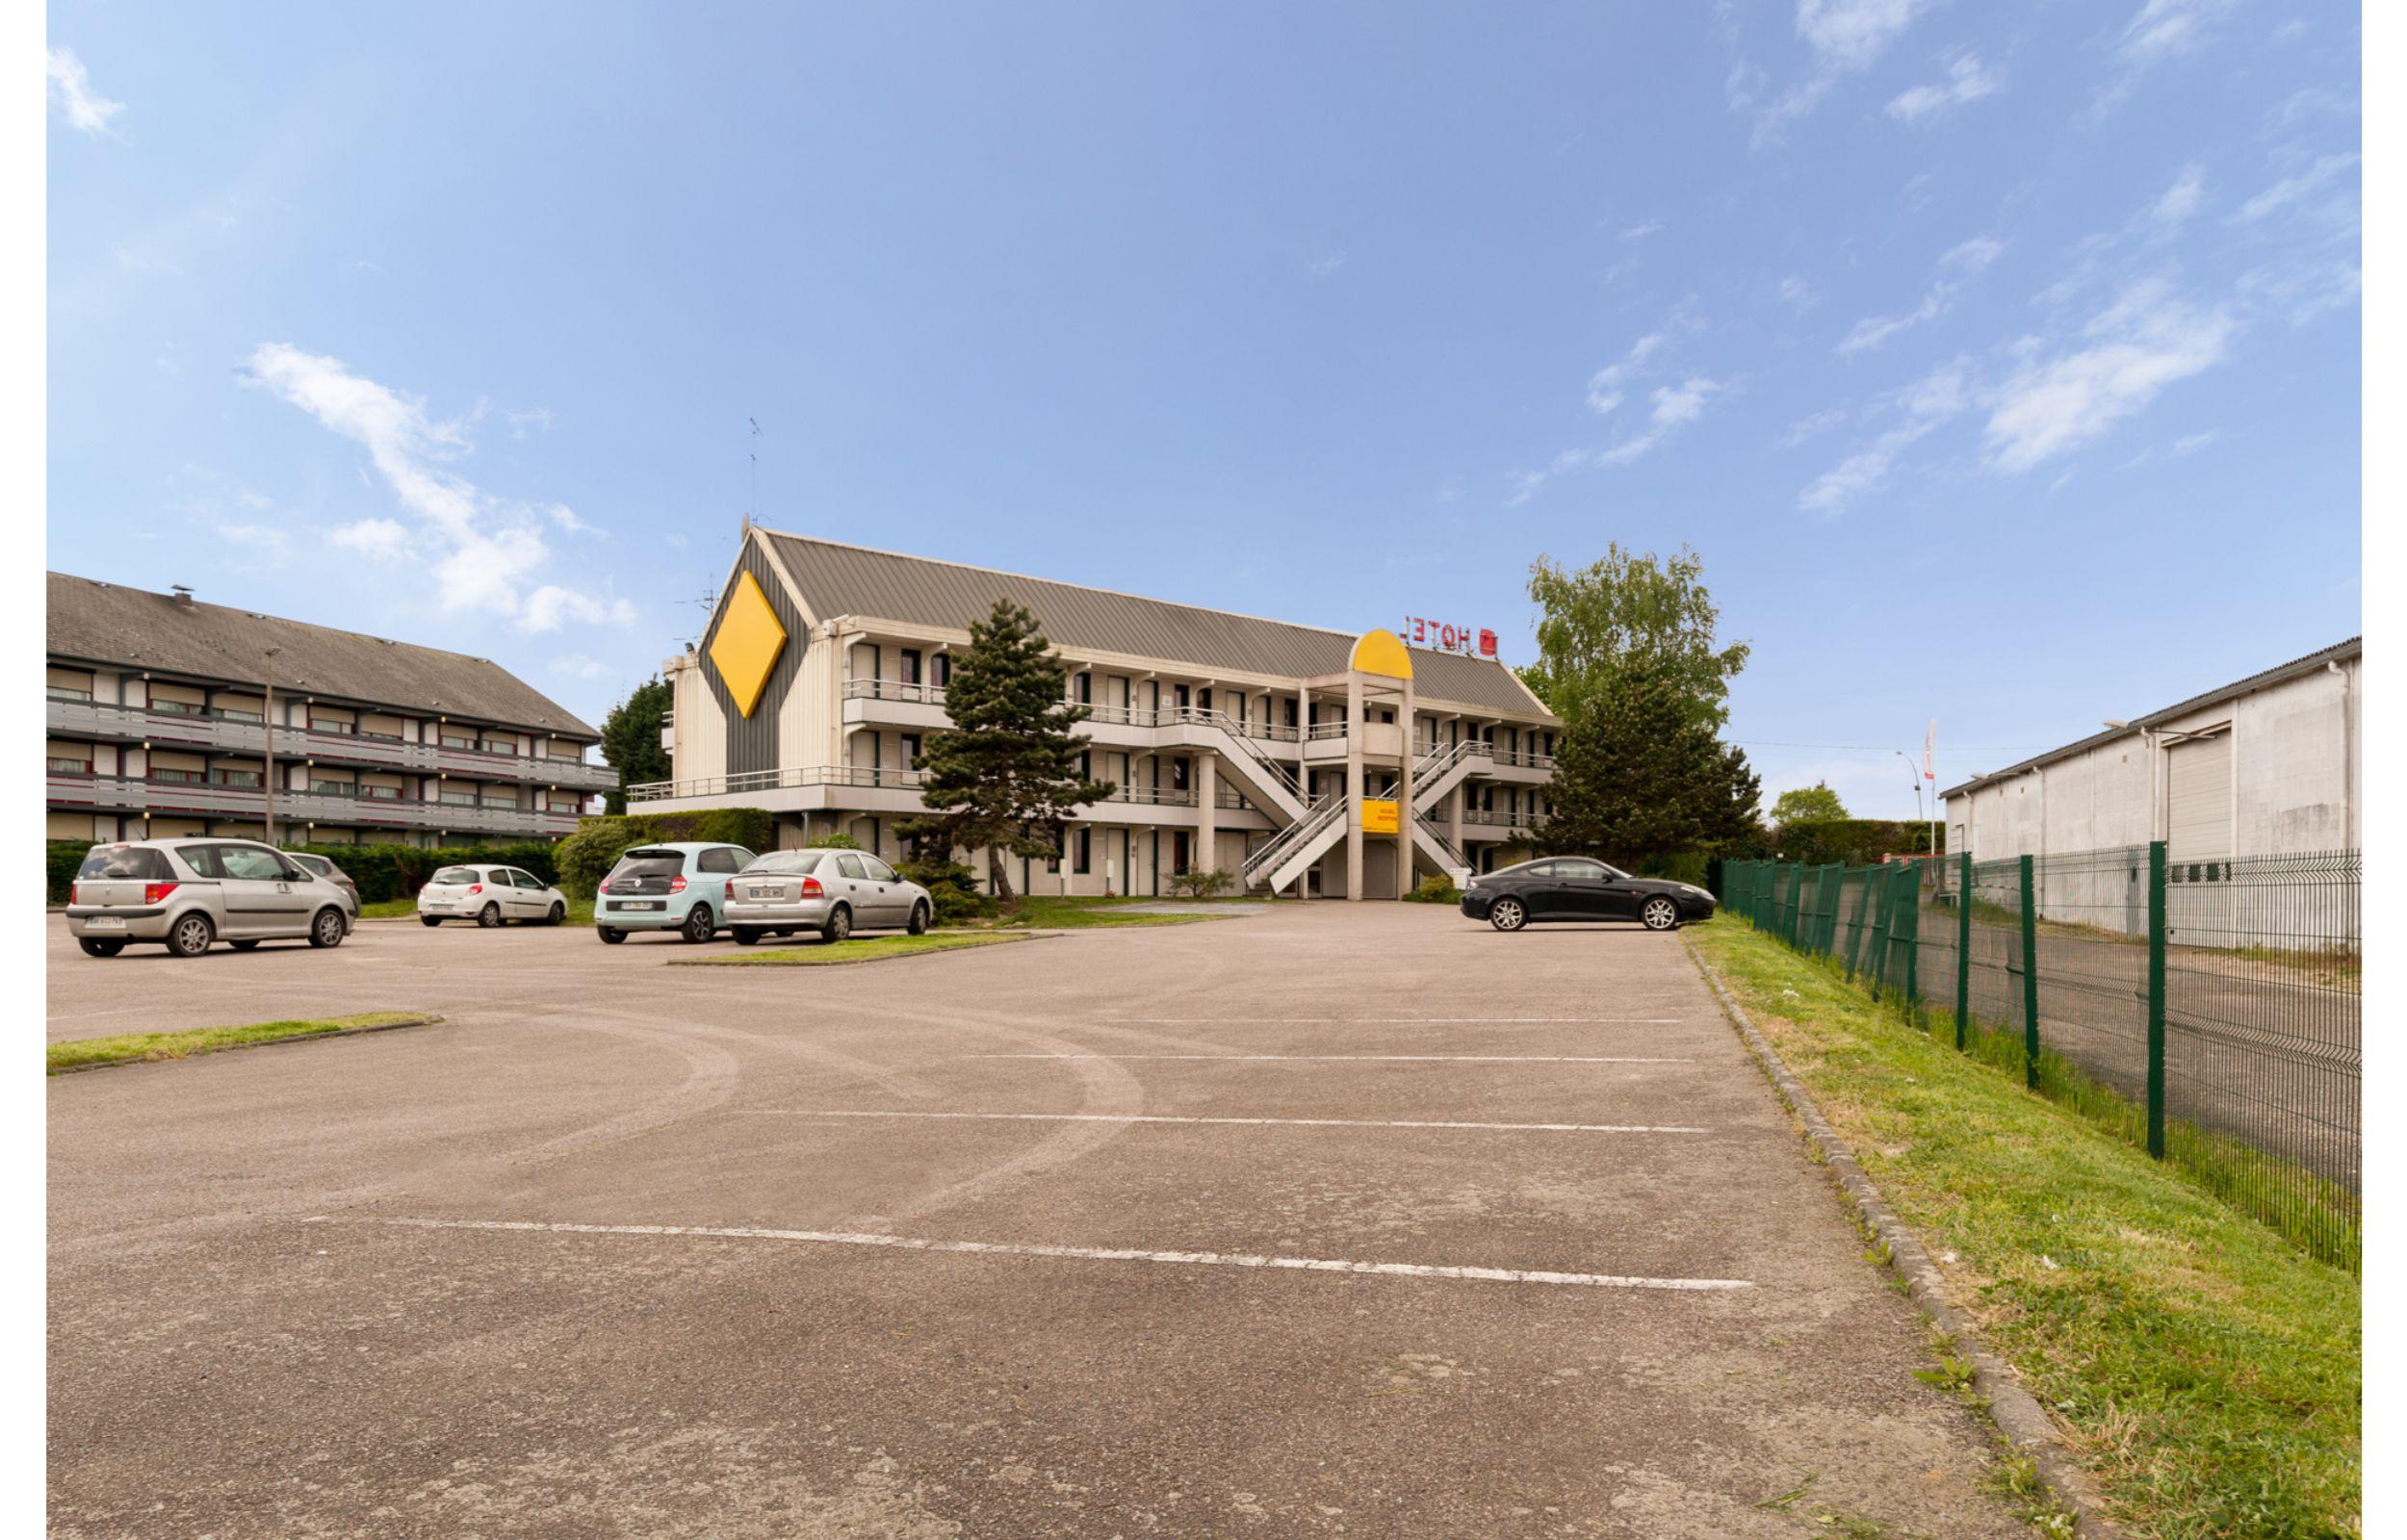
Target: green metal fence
(2210, 1011)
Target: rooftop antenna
(752, 498)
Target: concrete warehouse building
(161, 708)
(1298, 760)
(2269, 765)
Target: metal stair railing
(1289, 839)
(1243, 733)
(1454, 855)
(1427, 770)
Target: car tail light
(157, 892)
(677, 885)
(72, 891)
(605, 885)
(476, 887)
(811, 887)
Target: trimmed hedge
(588, 855)
(381, 872)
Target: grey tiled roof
(105, 623)
(839, 580)
(2354, 647)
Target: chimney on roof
(183, 593)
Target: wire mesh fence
(2209, 1011)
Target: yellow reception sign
(1382, 653)
(747, 644)
(1378, 816)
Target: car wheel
(190, 936)
(747, 936)
(609, 937)
(244, 946)
(918, 919)
(489, 916)
(560, 912)
(1508, 914)
(1660, 914)
(699, 926)
(328, 930)
(838, 926)
(429, 921)
(95, 947)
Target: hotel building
(161, 710)
(1299, 760)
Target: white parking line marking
(1252, 1123)
(1351, 1058)
(1077, 1253)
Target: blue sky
(2002, 361)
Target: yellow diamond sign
(747, 644)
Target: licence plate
(104, 922)
(769, 893)
(651, 904)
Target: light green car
(678, 886)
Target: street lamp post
(267, 778)
(1917, 789)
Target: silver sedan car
(190, 895)
(833, 893)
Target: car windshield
(784, 861)
(125, 863)
(650, 863)
(455, 876)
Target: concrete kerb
(2018, 1414)
(421, 1020)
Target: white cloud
(1813, 425)
(2163, 27)
(1796, 291)
(579, 666)
(2182, 198)
(1675, 407)
(2147, 340)
(257, 536)
(1967, 81)
(1605, 387)
(2290, 189)
(70, 87)
(380, 538)
(550, 605)
(564, 516)
(1642, 230)
(1845, 38)
(538, 418)
(1957, 268)
(485, 548)
(1921, 406)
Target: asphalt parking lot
(1344, 1219)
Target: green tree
(1806, 805)
(631, 740)
(1605, 622)
(1006, 776)
(1639, 778)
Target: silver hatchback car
(188, 894)
(833, 893)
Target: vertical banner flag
(1930, 736)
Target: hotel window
(944, 669)
(234, 778)
(1079, 849)
(67, 762)
(375, 793)
(332, 724)
(1082, 689)
(457, 797)
(1178, 774)
(908, 660)
(179, 775)
(458, 738)
(493, 745)
(334, 788)
(69, 684)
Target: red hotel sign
(1422, 632)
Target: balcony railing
(908, 690)
(212, 800)
(242, 733)
(1502, 820)
(821, 775)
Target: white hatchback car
(491, 896)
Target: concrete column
(1207, 806)
(1354, 788)
(1409, 748)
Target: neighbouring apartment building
(1299, 760)
(161, 708)
(2269, 765)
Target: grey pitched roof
(105, 623)
(841, 580)
(2351, 647)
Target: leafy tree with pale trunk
(1807, 804)
(1628, 612)
(1005, 776)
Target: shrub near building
(585, 858)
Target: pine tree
(631, 739)
(1639, 777)
(1006, 776)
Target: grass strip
(828, 954)
(142, 1048)
(2205, 1372)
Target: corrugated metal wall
(752, 741)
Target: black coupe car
(1576, 887)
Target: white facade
(2268, 766)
